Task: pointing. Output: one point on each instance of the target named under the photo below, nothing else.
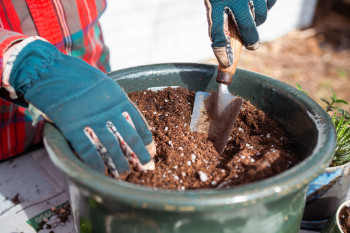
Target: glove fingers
(86, 150)
(246, 26)
(217, 34)
(270, 3)
(260, 11)
(112, 146)
(139, 122)
(134, 143)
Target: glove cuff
(14, 51)
(31, 56)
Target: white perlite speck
(166, 128)
(189, 163)
(180, 148)
(268, 135)
(170, 143)
(176, 177)
(240, 129)
(214, 183)
(203, 176)
(193, 157)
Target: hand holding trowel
(215, 113)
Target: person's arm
(246, 14)
(90, 109)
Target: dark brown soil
(257, 148)
(15, 199)
(344, 219)
(61, 215)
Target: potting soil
(258, 148)
(344, 219)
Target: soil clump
(258, 148)
(58, 216)
(344, 219)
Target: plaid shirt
(72, 26)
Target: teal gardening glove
(246, 14)
(83, 102)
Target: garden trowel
(215, 113)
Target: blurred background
(303, 41)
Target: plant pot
(274, 205)
(333, 223)
(326, 193)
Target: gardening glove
(246, 14)
(91, 110)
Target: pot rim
(290, 181)
(345, 203)
(343, 166)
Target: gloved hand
(84, 103)
(247, 15)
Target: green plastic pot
(333, 224)
(274, 205)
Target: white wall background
(140, 32)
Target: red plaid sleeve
(16, 131)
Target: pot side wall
(95, 213)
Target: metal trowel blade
(215, 118)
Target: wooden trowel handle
(225, 74)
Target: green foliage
(342, 152)
(341, 121)
(332, 105)
(342, 127)
(301, 89)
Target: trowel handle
(225, 74)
